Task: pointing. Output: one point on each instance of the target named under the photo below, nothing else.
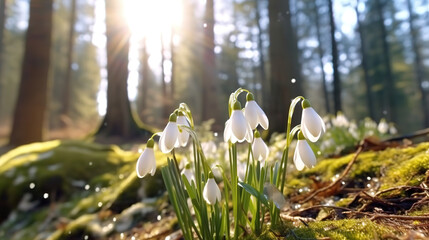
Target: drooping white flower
(254, 114)
(211, 192)
(383, 126)
(187, 171)
(170, 136)
(304, 155)
(312, 124)
(183, 134)
(241, 170)
(340, 120)
(260, 149)
(146, 162)
(237, 129)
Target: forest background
(59, 58)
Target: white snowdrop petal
(312, 124)
(306, 153)
(251, 113)
(299, 164)
(146, 163)
(211, 192)
(169, 137)
(183, 134)
(238, 125)
(188, 174)
(227, 131)
(263, 120)
(260, 149)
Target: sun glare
(151, 18)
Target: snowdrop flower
(254, 114)
(237, 129)
(211, 192)
(312, 125)
(340, 120)
(260, 149)
(170, 136)
(304, 155)
(183, 134)
(241, 170)
(383, 126)
(187, 171)
(146, 162)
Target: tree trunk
(2, 24)
(284, 64)
(389, 84)
(261, 66)
(119, 120)
(418, 67)
(320, 51)
(365, 68)
(30, 110)
(210, 97)
(167, 100)
(145, 73)
(172, 59)
(67, 81)
(337, 80)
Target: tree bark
(364, 63)
(119, 121)
(2, 25)
(210, 96)
(321, 53)
(261, 66)
(337, 79)
(418, 67)
(389, 84)
(30, 110)
(284, 64)
(67, 81)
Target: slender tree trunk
(119, 120)
(337, 79)
(389, 84)
(261, 66)
(166, 99)
(320, 51)
(284, 64)
(173, 60)
(418, 67)
(70, 47)
(2, 24)
(30, 110)
(144, 86)
(365, 68)
(209, 94)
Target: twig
(401, 188)
(402, 217)
(334, 183)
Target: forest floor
(83, 190)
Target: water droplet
(158, 217)
(97, 189)
(114, 219)
(100, 204)
(293, 80)
(87, 187)
(46, 195)
(296, 206)
(121, 176)
(32, 185)
(90, 163)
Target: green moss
(351, 229)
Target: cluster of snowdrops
(204, 210)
